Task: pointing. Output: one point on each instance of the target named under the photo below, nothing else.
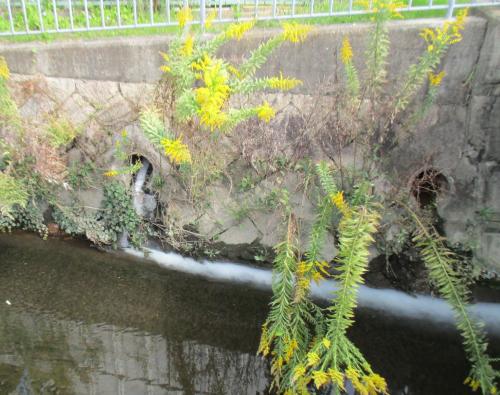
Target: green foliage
(118, 212)
(29, 218)
(12, 192)
(73, 222)
(309, 345)
(378, 46)
(441, 264)
(80, 176)
(9, 113)
(246, 184)
(153, 127)
(60, 132)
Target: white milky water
(391, 301)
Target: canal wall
(101, 86)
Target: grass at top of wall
(146, 31)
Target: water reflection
(84, 322)
(81, 322)
(44, 351)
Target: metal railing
(18, 17)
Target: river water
(74, 320)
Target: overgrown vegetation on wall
(193, 111)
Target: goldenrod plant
(204, 83)
(308, 345)
(366, 111)
(438, 41)
(200, 87)
(441, 265)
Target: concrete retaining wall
(102, 84)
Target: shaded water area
(77, 321)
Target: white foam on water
(393, 302)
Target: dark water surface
(78, 321)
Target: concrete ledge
(136, 59)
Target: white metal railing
(18, 17)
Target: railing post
(203, 15)
(451, 7)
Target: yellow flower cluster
(295, 32)
(4, 69)
(449, 34)
(265, 112)
(234, 71)
(346, 51)
(237, 30)
(320, 378)
(298, 372)
(291, 346)
(212, 97)
(184, 16)
(165, 68)
(340, 203)
(372, 384)
(435, 79)
(312, 359)
(111, 173)
(176, 150)
(187, 47)
(283, 84)
(264, 341)
(337, 378)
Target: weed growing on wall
(308, 346)
(188, 127)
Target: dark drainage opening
(139, 158)
(427, 185)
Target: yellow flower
(237, 30)
(449, 34)
(352, 374)
(317, 277)
(187, 47)
(375, 384)
(302, 268)
(340, 203)
(266, 112)
(184, 16)
(124, 134)
(176, 150)
(337, 378)
(111, 173)
(320, 378)
(435, 79)
(283, 83)
(213, 96)
(312, 359)
(327, 343)
(264, 341)
(493, 390)
(165, 68)
(346, 51)
(291, 347)
(295, 32)
(298, 372)
(4, 69)
(234, 71)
